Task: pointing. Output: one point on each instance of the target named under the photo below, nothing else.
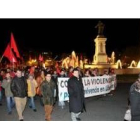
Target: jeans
(10, 103)
(41, 100)
(61, 103)
(32, 103)
(74, 116)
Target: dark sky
(65, 35)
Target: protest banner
(93, 86)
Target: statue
(100, 27)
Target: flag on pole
(14, 45)
(40, 58)
(9, 54)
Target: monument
(100, 58)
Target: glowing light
(138, 66)
(113, 57)
(119, 64)
(72, 61)
(133, 64)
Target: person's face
(31, 77)
(55, 72)
(112, 71)
(18, 74)
(76, 74)
(106, 72)
(7, 75)
(138, 79)
(87, 72)
(94, 72)
(2, 73)
(42, 72)
(8, 70)
(22, 74)
(48, 77)
(62, 73)
(71, 69)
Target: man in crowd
(76, 95)
(8, 93)
(19, 89)
(48, 89)
(135, 100)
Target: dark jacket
(47, 90)
(19, 87)
(76, 95)
(134, 103)
(7, 86)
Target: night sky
(65, 35)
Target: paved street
(99, 108)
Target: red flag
(14, 45)
(58, 70)
(9, 54)
(56, 65)
(40, 58)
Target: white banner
(92, 86)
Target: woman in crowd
(32, 84)
(87, 73)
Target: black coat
(19, 87)
(134, 103)
(76, 95)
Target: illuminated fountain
(138, 66)
(133, 64)
(73, 61)
(113, 58)
(119, 64)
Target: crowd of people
(18, 86)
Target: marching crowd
(21, 85)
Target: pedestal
(100, 56)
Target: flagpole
(11, 52)
(1, 58)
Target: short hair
(31, 75)
(75, 69)
(62, 69)
(46, 73)
(18, 70)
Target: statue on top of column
(100, 27)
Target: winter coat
(134, 103)
(76, 95)
(30, 92)
(6, 85)
(39, 81)
(47, 90)
(19, 87)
